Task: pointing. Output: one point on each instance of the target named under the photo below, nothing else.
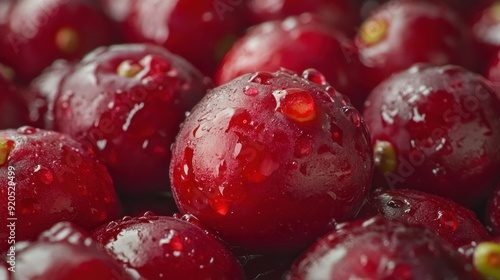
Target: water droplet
(126, 218)
(295, 165)
(353, 116)
(302, 147)
(44, 174)
(337, 134)
(296, 104)
(447, 220)
(395, 203)
(26, 130)
(250, 91)
(111, 225)
(263, 78)
(149, 215)
(315, 76)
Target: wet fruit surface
(437, 36)
(126, 102)
(339, 14)
(377, 248)
(47, 177)
(36, 33)
(156, 247)
(255, 149)
(451, 221)
(436, 129)
(64, 252)
(181, 26)
(297, 43)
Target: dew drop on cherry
(26, 130)
(353, 116)
(250, 91)
(395, 203)
(315, 76)
(263, 78)
(447, 220)
(295, 104)
(44, 174)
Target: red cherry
(437, 36)
(297, 43)
(201, 31)
(436, 129)
(37, 32)
(242, 162)
(63, 252)
(51, 178)
(377, 248)
(154, 247)
(126, 102)
(451, 221)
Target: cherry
(436, 129)
(43, 92)
(154, 247)
(37, 32)
(297, 43)
(340, 14)
(256, 148)
(126, 102)
(47, 177)
(437, 36)
(377, 248)
(63, 252)
(451, 221)
(199, 30)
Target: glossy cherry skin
(37, 32)
(256, 148)
(377, 248)
(154, 247)
(201, 31)
(492, 213)
(126, 102)
(340, 14)
(63, 252)
(54, 178)
(43, 92)
(451, 221)
(436, 129)
(297, 43)
(13, 109)
(438, 36)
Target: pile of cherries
(249, 139)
